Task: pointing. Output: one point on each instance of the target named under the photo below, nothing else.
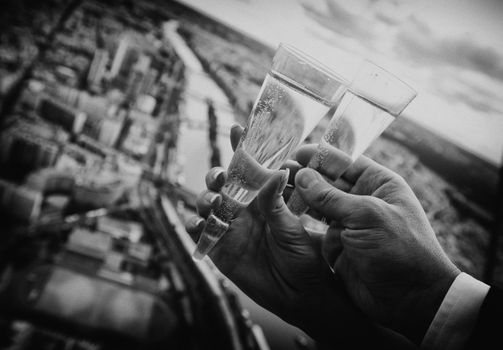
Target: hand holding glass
(296, 93)
(371, 102)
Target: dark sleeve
(489, 327)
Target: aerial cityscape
(90, 119)
(111, 113)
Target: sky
(450, 51)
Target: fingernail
(306, 177)
(199, 222)
(235, 126)
(285, 173)
(219, 177)
(213, 198)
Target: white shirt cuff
(457, 315)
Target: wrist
(419, 308)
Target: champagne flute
(372, 101)
(296, 93)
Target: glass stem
(217, 224)
(214, 229)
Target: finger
(286, 228)
(342, 269)
(317, 238)
(364, 239)
(287, 192)
(359, 166)
(293, 167)
(305, 153)
(215, 178)
(340, 183)
(364, 166)
(343, 185)
(368, 176)
(271, 195)
(206, 202)
(236, 131)
(194, 225)
(331, 168)
(334, 204)
(329, 161)
(332, 245)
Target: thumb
(348, 209)
(284, 226)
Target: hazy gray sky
(451, 51)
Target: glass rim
(409, 92)
(322, 67)
(412, 90)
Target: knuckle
(326, 197)
(200, 199)
(206, 195)
(397, 179)
(373, 208)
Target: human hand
(269, 255)
(379, 243)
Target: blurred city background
(112, 112)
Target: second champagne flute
(372, 101)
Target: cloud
(474, 90)
(387, 18)
(477, 91)
(418, 43)
(341, 21)
(461, 70)
(478, 103)
(389, 12)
